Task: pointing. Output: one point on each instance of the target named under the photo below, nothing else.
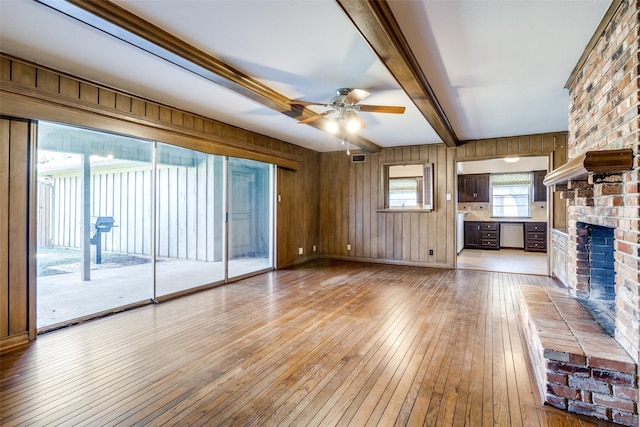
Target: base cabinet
(535, 237)
(472, 235)
(559, 242)
(486, 235)
(481, 235)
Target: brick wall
(603, 97)
(604, 115)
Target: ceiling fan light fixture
(332, 126)
(353, 125)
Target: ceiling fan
(346, 103)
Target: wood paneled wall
(352, 201)
(32, 91)
(352, 210)
(16, 276)
(298, 210)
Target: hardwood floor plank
(405, 392)
(473, 399)
(325, 343)
(473, 323)
(357, 380)
(371, 400)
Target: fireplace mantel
(597, 162)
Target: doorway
(506, 205)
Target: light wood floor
(331, 343)
(504, 260)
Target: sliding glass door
(94, 237)
(126, 221)
(189, 219)
(250, 203)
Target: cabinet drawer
(488, 235)
(490, 244)
(536, 246)
(537, 226)
(489, 226)
(532, 235)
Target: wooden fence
(189, 210)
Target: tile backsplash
(482, 212)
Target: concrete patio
(65, 297)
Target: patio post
(85, 224)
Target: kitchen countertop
(514, 220)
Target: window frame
(529, 198)
(425, 198)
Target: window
(510, 194)
(405, 192)
(408, 186)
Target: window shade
(519, 178)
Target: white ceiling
(498, 68)
(524, 164)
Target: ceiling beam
(122, 24)
(376, 23)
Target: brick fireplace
(597, 247)
(588, 371)
(604, 115)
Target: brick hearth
(578, 366)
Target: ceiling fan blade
(316, 117)
(355, 96)
(305, 103)
(382, 109)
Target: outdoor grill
(101, 224)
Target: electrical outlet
(300, 251)
(314, 248)
(430, 251)
(348, 247)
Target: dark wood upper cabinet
(473, 188)
(539, 189)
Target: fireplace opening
(601, 297)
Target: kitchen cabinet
(535, 237)
(473, 188)
(559, 242)
(539, 189)
(472, 235)
(481, 235)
